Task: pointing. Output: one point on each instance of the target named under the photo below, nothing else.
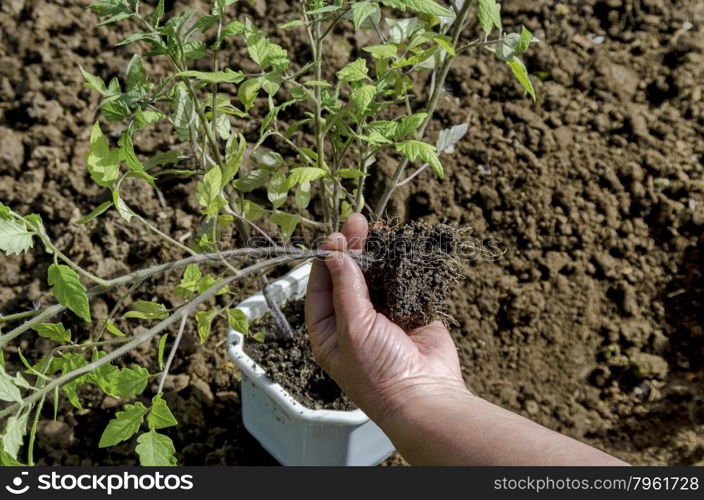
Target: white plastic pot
(292, 433)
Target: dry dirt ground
(590, 324)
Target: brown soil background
(591, 324)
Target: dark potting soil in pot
(290, 362)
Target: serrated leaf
(128, 382)
(184, 114)
(68, 290)
(299, 175)
(287, 222)
(143, 309)
(270, 159)
(204, 320)
(125, 425)
(99, 210)
(361, 11)
(94, 82)
(53, 331)
(237, 319)
(409, 124)
(247, 92)
(524, 40)
(414, 150)
(224, 76)
(103, 163)
(521, 73)
(425, 7)
(387, 51)
(271, 82)
(277, 190)
(252, 180)
(189, 281)
(489, 13)
(361, 99)
(449, 137)
(14, 237)
(136, 75)
(130, 157)
(12, 437)
(208, 191)
(234, 154)
(401, 29)
(110, 327)
(291, 24)
(155, 449)
(354, 71)
(8, 390)
(160, 416)
(349, 173)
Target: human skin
(410, 383)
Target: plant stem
(172, 355)
(168, 238)
(184, 310)
(429, 108)
(18, 316)
(279, 317)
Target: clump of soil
(289, 362)
(411, 271)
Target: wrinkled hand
(377, 364)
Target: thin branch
(172, 354)
(279, 317)
(413, 175)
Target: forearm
(455, 428)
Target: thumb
(354, 311)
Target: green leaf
(68, 290)
(143, 309)
(409, 124)
(165, 158)
(53, 331)
(121, 207)
(204, 320)
(189, 281)
(521, 74)
(263, 52)
(302, 195)
(136, 75)
(277, 190)
(349, 173)
(155, 449)
(489, 13)
(125, 425)
(401, 29)
(524, 40)
(354, 71)
(299, 175)
(100, 209)
(110, 327)
(252, 180)
(184, 113)
(128, 382)
(160, 416)
(428, 7)
(269, 159)
(387, 51)
(361, 99)
(130, 158)
(237, 319)
(224, 76)
(8, 390)
(15, 429)
(248, 92)
(208, 192)
(291, 24)
(94, 82)
(234, 154)
(251, 211)
(361, 11)
(286, 222)
(14, 237)
(162, 347)
(416, 149)
(103, 162)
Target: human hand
(376, 363)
